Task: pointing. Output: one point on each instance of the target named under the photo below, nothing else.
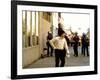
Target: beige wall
(30, 55)
(44, 28)
(34, 53)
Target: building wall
(55, 24)
(44, 28)
(32, 54)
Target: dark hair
(61, 32)
(59, 25)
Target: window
(33, 28)
(37, 28)
(29, 29)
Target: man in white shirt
(60, 45)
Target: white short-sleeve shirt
(59, 43)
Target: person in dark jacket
(67, 40)
(49, 37)
(85, 44)
(75, 46)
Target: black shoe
(76, 56)
(87, 55)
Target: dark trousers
(75, 50)
(85, 48)
(59, 57)
(49, 49)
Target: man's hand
(67, 55)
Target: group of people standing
(60, 43)
(84, 44)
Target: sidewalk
(72, 61)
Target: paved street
(72, 61)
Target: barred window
(29, 28)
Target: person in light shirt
(60, 46)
